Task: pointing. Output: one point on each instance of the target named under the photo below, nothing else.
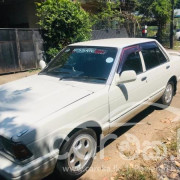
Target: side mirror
(126, 76)
(42, 64)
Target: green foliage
(108, 10)
(108, 15)
(129, 5)
(52, 52)
(177, 6)
(135, 174)
(160, 10)
(63, 22)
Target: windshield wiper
(57, 72)
(61, 72)
(68, 77)
(90, 77)
(53, 72)
(83, 77)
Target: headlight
(17, 150)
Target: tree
(177, 6)
(171, 37)
(131, 21)
(112, 14)
(63, 22)
(106, 14)
(129, 5)
(91, 6)
(160, 10)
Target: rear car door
(158, 68)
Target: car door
(158, 69)
(127, 97)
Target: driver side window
(133, 62)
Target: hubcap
(168, 93)
(81, 151)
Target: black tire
(167, 101)
(63, 169)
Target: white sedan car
(53, 121)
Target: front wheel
(79, 151)
(167, 97)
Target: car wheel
(167, 97)
(80, 150)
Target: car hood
(28, 100)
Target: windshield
(83, 63)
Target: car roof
(117, 42)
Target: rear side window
(162, 58)
(133, 62)
(153, 56)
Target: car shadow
(126, 127)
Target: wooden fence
(20, 49)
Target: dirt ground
(12, 77)
(150, 126)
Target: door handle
(167, 67)
(144, 78)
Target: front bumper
(36, 169)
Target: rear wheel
(80, 151)
(167, 97)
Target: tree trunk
(172, 26)
(160, 33)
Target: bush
(63, 22)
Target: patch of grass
(34, 70)
(177, 45)
(172, 147)
(128, 154)
(135, 174)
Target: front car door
(125, 98)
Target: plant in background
(106, 15)
(177, 6)
(158, 10)
(63, 22)
(109, 11)
(132, 20)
